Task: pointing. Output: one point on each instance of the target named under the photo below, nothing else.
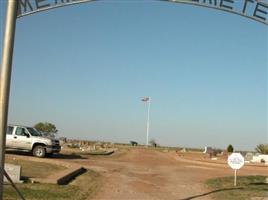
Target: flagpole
(148, 121)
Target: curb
(61, 178)
(70, 176)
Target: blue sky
(86, 67)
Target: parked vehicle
(25, 138)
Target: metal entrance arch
(252, 9)
(19, 8)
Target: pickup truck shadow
(23, 153)
(66, 156)
(57, 156)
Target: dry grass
(80, 189)
(33, 169)
(248, 188)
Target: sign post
(235, 177)
(236, 161)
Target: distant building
(260, 158)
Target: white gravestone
(14, 172)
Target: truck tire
(39, 151)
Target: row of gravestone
(249, 156)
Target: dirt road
(144, 174)
(147, 174)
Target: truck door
(9, 137)
(22, 139)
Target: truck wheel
(39, 151)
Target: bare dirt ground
(147, 174)
(143, 174)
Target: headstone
(14, 172)
(248, 156)
(266, 180)
(208, 150)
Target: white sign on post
(236, 161)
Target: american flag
(145, 99)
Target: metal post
(148, 121)
(5, 77)
(235, 177)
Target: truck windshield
(34, 132)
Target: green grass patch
(248, 188)
(39, 191)
(33, 169)
(80, 189)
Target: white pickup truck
(29, 139)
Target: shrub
(153, 142)
(262, 148)
(230, 148)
